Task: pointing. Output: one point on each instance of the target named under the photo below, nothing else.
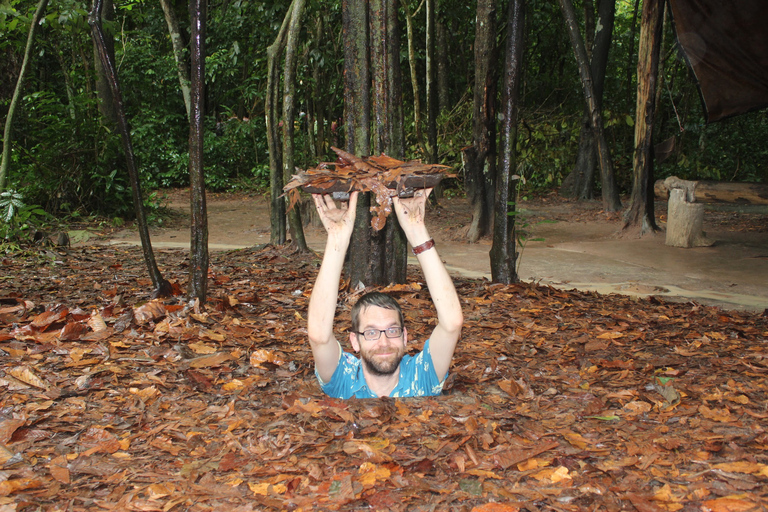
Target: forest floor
(558, 399)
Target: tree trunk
(414, 79)
(178, 51)
(357, 122)
(443, 92)
(162, 287)
(631, 67)
(277, 230)
(579, 183)
(42, 4)
(503, 252)
(480, 159)
(611, 201)
(431, 81)
(640, 218)
(289, 117)
(389, 246)
(198, 256)
(103, 91)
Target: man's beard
(380, 366)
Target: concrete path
(733, 273)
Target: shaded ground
(557, 400)
(571, 245)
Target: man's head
(378, 333)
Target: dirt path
(578, 248)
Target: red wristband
(424, 247)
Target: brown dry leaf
(266, 488)
(19, 484)
(371, 473)
(210, 361)
(149, 312)
(73, 331)
(27, 376)
(59, 470)
(96, 439)
(496, 507)
(96, 322)
(261, 356)
(722, 415)
(8, 427)
(45, 319)
(510, 457)
(202, 348)
(728, 504)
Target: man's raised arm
(338, 223)
(411, 214)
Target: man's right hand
(339, 223)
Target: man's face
(381, 356)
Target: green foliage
(65, 159)
(18, 218)
(546, 150)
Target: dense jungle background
(66, 160)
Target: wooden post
(685, 221)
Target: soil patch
(564, 243)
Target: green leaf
(604, 418)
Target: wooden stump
(685, 221)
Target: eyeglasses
(375, 334)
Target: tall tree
(580, 182)
(503, 252)
(639, 218)
(198, 271)
(409, 16)
(289, 116)
(388, 246)
(161, 285)
(177, 42)
(41, 5)
(278, 228)
(103, 90)
(357, 123)
(610, 192)
(430, 75)
(480, 158)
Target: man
(378, 333)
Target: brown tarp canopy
(726, 44)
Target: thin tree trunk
(357, 122)
(580, 182)
(42, 4)
(503, 252)
(388, 247)
(480, 159)
(414, 79)
(277, 224)
(162, 287)
(103, 91)
(198, 271)
(178, 51)
(289, 91)
(431, 82)
(611, 201)
(67, 82)
(631, 67)
(640, 218)
(443, 92)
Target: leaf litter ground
(557, 400)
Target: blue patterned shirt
(418, 377)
